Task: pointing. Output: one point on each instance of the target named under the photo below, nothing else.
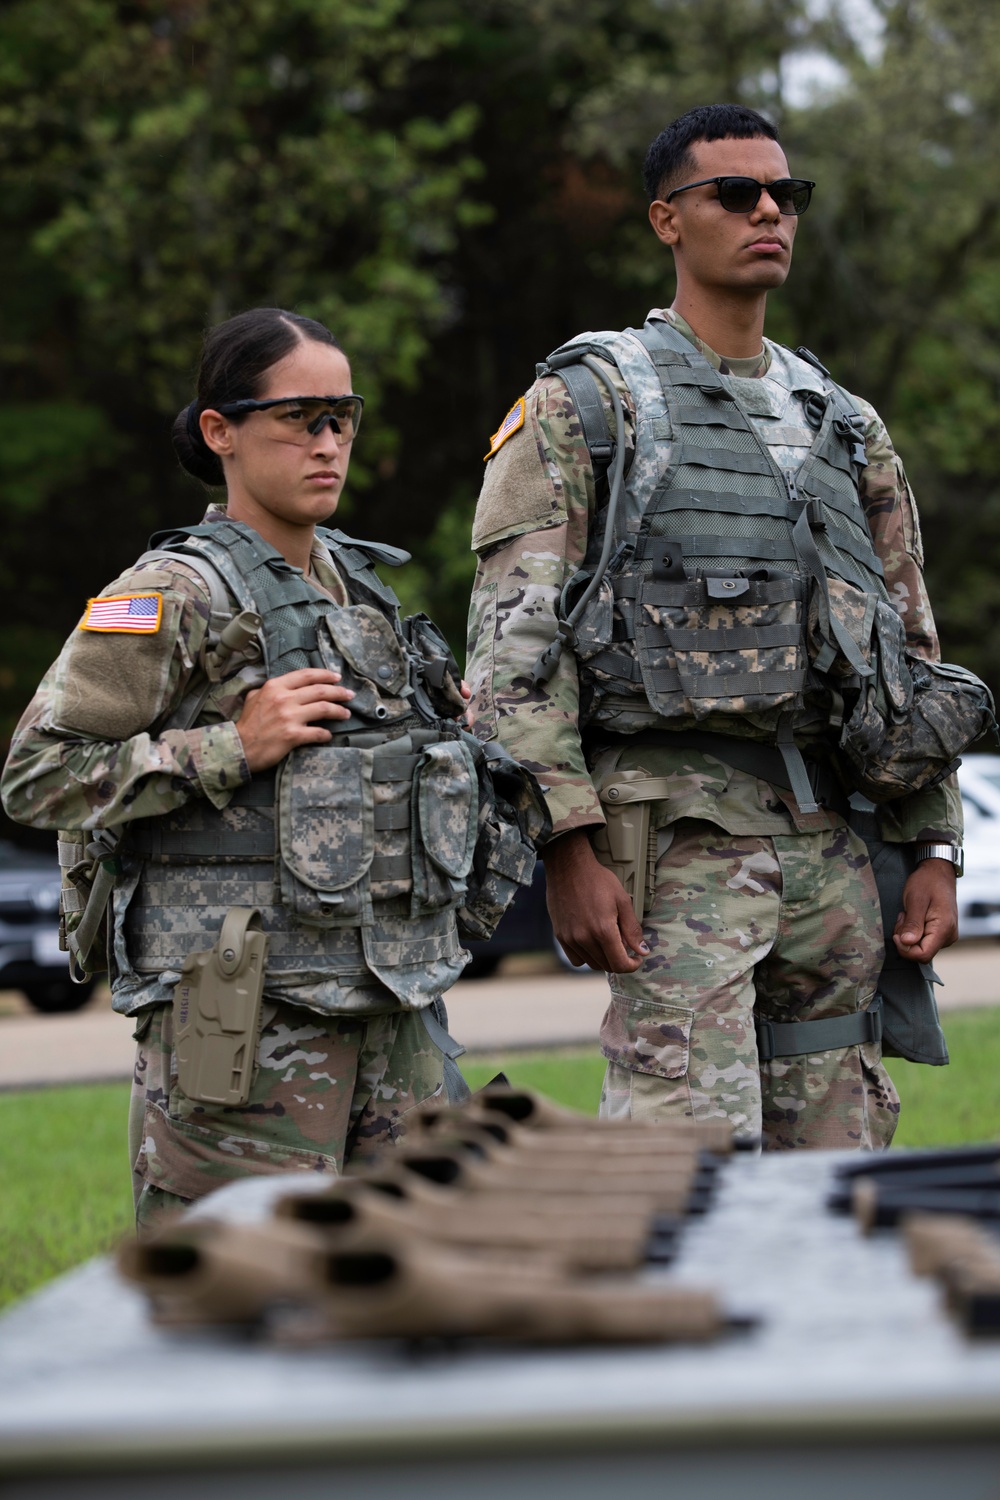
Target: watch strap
(953, 853)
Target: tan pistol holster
(626, 844)
(217, 1011)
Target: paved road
(514, 1010)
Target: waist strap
(763, 761)
(793, 1038)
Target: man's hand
(591, 914)
(283, 714)
(929, 919)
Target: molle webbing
(245, 830)
(726, 565)
(720, 466)
(261, 579)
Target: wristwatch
(951, 852)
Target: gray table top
(848, 1342)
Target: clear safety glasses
(295, 419)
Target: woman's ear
(216, 431)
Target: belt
(763, 761)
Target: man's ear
(663, 217)
(216, 431)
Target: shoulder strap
(380, 551)
(219, 598)
(586, 398)
(357, 558)
(810, 359)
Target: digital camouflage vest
(356, 852)
(743, 596)
(743, 593)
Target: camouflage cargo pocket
(326, 837)
(481, 658)
(444, 817)
(721, 645)
(646, 1036)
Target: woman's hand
(283, 714)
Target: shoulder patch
(512, 422)
(132, 614)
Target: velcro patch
(133, 614)
(512, 422)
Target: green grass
(946, 1106)
(65, 1193)
(64, 1182)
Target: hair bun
(193, 452)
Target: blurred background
(454, 187)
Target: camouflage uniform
(341, 1058)
(758, 906)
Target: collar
(752, 368)
(321, 567)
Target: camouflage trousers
(784, 927)
(325, 1089)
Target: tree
(164, 166)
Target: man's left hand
(929, 919)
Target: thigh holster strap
(793, 1038)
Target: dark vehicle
(30, 959)
(525, 928)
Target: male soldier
(753, 556)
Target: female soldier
(243, 707)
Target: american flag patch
(510, 424)
(136, 614)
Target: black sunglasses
(306, 415)
(740, 195)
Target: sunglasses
(740, 195)
(294, 419)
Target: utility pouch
(513, 821)
(626, 845)
(89, 871)
(326, 834)
(217, 1012)
(443, 821)
(933, 713)
(719, 645)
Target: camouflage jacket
(531, 534)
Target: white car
(979, 888)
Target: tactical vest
(355, 851)
(740, 598)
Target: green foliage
(42, 443)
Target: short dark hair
(235, 357)
(669, 157)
